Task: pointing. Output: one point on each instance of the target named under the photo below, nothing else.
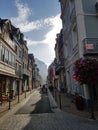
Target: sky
(38, 20)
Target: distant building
(31, 70)
(51, 74)
(59, 62)
(25, 67)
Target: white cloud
(23, 13)
(42, 52)
(22, 22)
(49, 37)
(56, 24)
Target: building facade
(31, 70)
(80, 37)
(7, 59)
(18, 60)
(59, 63)
(25, 85)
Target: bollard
(9, 102)
(60, 101)
(18, 95)
(25, 93)
(18, 98)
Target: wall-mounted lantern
(96, 6)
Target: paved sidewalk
(67, 104)
(4, 107)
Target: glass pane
(6, 56)
(0, 50)
(9, 58)
(2, 53)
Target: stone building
(7, 59)
(80, 37)
(15, 33)
(59, 63)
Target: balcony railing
(90, 46)
(26, 72)
(59, 66)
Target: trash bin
(79, 103)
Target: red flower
(86, 71)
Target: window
(23, 65)
(0, 50)
(20, 53)
(19, 67)
(23, 52)
(13, 60)
(10, 61)
(2, 53)
(16, 66)
(74, 35)
(16, 49)
(6, 56)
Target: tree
(86, 72)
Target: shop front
(6, 87)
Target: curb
(53, 104)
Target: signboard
(89, 46)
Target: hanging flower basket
(86, 71)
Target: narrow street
(39, 103)
(36, 114)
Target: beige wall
(7, 68)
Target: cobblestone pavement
(58, 120)
(68, 105)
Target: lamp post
(92, 103)
(60, 100)
(18, 94)
(9, 95)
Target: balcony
(59, 66)
(90, 46)
(26, 72)
(18, 73)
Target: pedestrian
(51, 88)
(62, 87)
